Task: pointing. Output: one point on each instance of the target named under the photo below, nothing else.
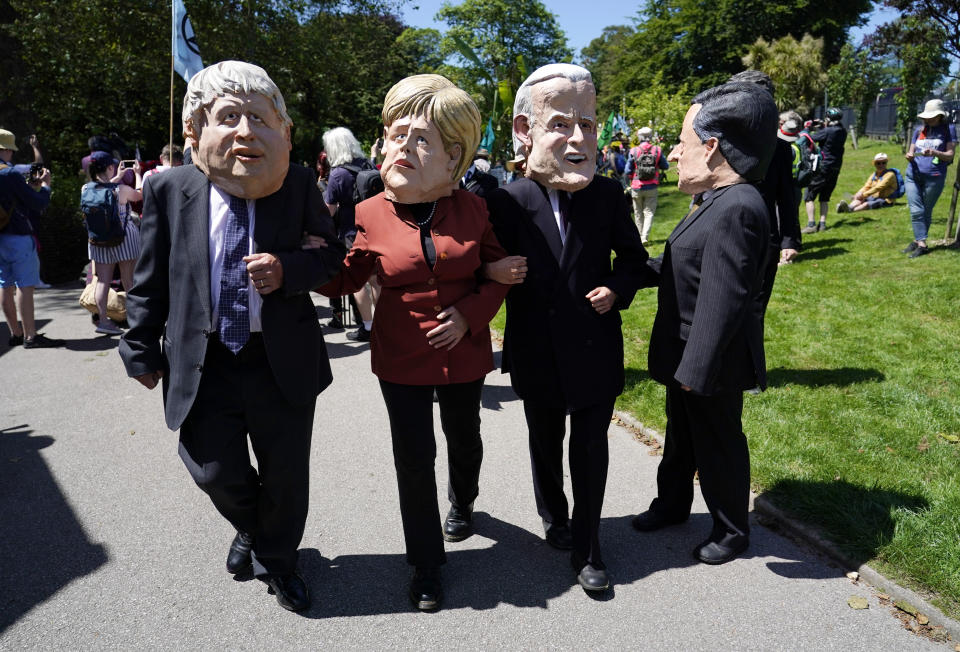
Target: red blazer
(388, 245)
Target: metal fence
(882, 116)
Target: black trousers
(410, 408)
(238, 397)
(589, 457)
(705, 435)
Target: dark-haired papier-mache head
(743, 118)
(751, 76)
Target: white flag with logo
(186, 54)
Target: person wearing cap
(876, 192)
(706, 345)
(931, 151)
(831, 140)
(644, 191)
(20, 199)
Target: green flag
(606, 134)
(486, 142)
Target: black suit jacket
(780, 194)
(555, 344)
(708, 332)
(169, 308)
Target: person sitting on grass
(876, 191)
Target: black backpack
(367, 182)
(647, 164)
(101, 214)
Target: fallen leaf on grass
(923, 445)
(950, 438)
(890, 450)
(923, 620)
(856, 602)
(903, 605)
(883, 596)
(853, 575)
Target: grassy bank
(857, 432)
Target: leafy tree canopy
(795, 67)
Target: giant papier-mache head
(236, 122)
(555, 126)
(728, 136)
(430, 130)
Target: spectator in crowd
(323, 171)
(706, 345)
(223, 284)
(169, 158)
(103, 168)
(643, 169)
(831, 140)
(563, 344)
(876, 192)
(477, 178)
(427, 241)
(346, 160)
(23, 197)
(931, 151)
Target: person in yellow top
(876, 191)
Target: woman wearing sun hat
(930, 152)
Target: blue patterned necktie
(234, 326)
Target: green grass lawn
(857, 431)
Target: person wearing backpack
(112, 234)
(346, 163)
(882, 187)
(643, 169)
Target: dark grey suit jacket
(708, 332)
(555, 344)
(169, 307)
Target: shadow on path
(839, 377)
(520, 569)
(862, 516)
(43, 546)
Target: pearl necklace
(425, 222)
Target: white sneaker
(108, 327)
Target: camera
(126, 164)
(36, 172)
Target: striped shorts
(129, 249)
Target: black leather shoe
(650, 520)
(720, 552)
(290, 589)
(238, 559)
(458, 524)
(559, 536)
(425, 591)
(359, 335)
(590, 577)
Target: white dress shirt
(219, 205)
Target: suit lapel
(690, 219)
(195, 222)
(545, 220)
(579, 201)
(269, 211)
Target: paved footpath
(106, 544)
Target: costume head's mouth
(575, 159)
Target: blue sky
(584, 21)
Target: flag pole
(172, 36)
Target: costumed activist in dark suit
(707, 340)
(221, 312)
(426, 242)
(563, 344)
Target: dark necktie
(563, 201)
(234, 326)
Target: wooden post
(953, 208)
(853, 135)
